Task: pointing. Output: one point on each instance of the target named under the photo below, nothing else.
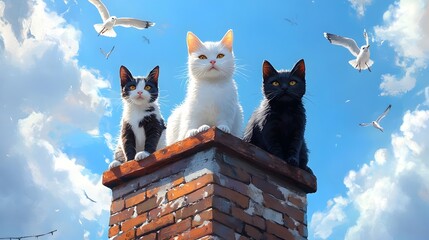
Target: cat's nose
(212, 61)
(139, 92)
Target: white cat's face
(211, 60)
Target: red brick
(131, 234)
(294, 213)
(113, 231)
(121, 216)
(288, 222)
(252, 232)
(267, 187)
(202, 193)
(151, 236)
(191, 210)
(167, 208)
(240, 199)
(154, 190)
(201, 217)
(273, 203)
(268, 236)
(278, 230)
(298, 202)
(196, 233)
(124, 189)
(117, 206)
(255, 221)
(135, 199)
(234, 185)
(133, 222)
(155, 225)
(227, 220)
(147, 205)
(234, 172)
(223, 231)
(175, 229)
(189, 187)
(302, 229)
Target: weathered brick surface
(208, 192)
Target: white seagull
(107, 55)
(106, 28)
(376, 123)
(362, 54)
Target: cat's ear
(228, 39)
(153, 75)
(299, 69)
(194, 43)
(125, 75)
(268, 70)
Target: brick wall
(211, 186)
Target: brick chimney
(210, 186)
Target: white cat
(211, 98)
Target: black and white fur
(142, 126)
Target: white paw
(224, 128)
(191, 132)
(113, 164)
(203, 128)
(140, 155)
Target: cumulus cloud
(360, 6)
(406, 29)
(44, 94)
(390, 193)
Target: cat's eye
(147, 88)
(202, 57)
(292, 83)
(275, 84)
(220, 55)
(132, 87)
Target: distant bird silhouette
(146, 39)
(362, 54)
(292, 22)
(376, 123)
(107, 55)
(86, 195)
(106, 28)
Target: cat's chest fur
(134, 116)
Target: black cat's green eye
(220, 55)
(292, 83)
(147, 88)
(132, 87)
(202, 57)
(275, 84)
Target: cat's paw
(224, 128)
(292, 161)
(191, 133)
(113, 164)
(140, 155)
(203, 128)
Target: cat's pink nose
(139, 92)
(212, 61)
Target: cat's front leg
(114, 163)
(224, 128)
(195, 131)
(141, 155)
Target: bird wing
(104, 13)
(110, 52)
(132, 22)
(365, 35)
(365, 124)
(103, 52)
(86, 195)
(384, 113)
(348, 43)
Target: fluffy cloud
(406, 28)
(360, 6)
(390, 193)
(44, 95)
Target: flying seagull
(376, 123)
(362, 54)
(107, 55)
(106, 28)
(86, 195)
(146, 39)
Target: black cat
(278, 124)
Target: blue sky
(61, 105)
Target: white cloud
(360, 6)
(390, 194)
(406, 29)
(44, 95)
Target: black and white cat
(278, 124)
(142, 126)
